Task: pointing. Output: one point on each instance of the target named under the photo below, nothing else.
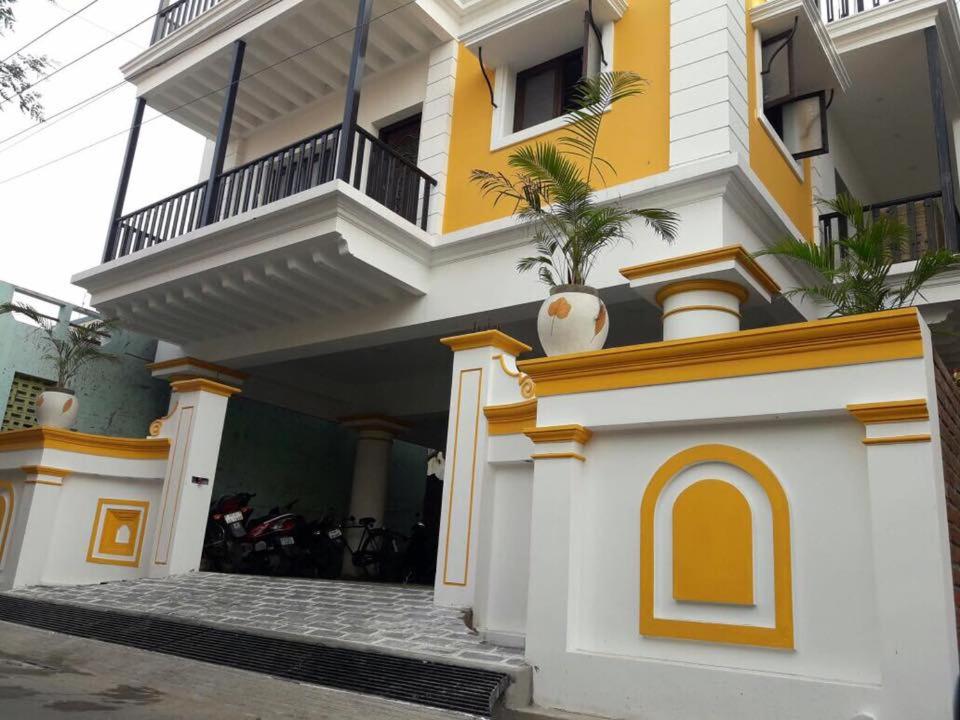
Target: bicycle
(378, 551)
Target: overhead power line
(89, 100)
(49, 30)
(167, 113)
(87, 54)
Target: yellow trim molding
(851, 340)
(105, 547)
(779, 636)
(205, 385)
(684, 262)
(692, 308)
(487, 338)
(511, 419)
(528, 389)
(559, 456)
(682, 286)
(50, 438)
(194, 362)
(46, 470)
(559, 433)
(889, 412)
(453, 480)
(897, 440)
(6, 515)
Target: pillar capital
(374, 426)
(189, 368)
(486, 339)
(702, 293)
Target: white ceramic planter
(57, 408)
(573, 319)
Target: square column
(914, 588)
(32, 515)
(484, 373)
(194, 427)
(559, 459)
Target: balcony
(833, 10)
(921, 214)
(377, 170)
(177, 14)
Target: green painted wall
(281, 455)
(116, 398)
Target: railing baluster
(358, 168)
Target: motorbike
(226, 529)
(274, 544)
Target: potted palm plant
(69, 352)
(553, 187)
(852, 271)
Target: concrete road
(44, 675)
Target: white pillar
(693, 308)
(36, 508)
(484, 373)
(371, 473)
(914, 593)
(194, 426)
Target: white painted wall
(386, 98)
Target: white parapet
(749, 524)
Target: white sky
(53, 222)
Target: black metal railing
(376, 169)
(921, 214)
(832, 10)
(165, 219)
(284, 172)
(177, 14)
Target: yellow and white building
(734, 512)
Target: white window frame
(764, 123)
(502, 134)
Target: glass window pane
(802, 127)
(539, 94)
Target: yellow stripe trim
(511, 419)
(559, 456)
(487, 338)
(692, 308)
(45, 470)
(559, 433)
(684, 262)
(49, 438)
(724, 286)
(892, 411)
(835, 342)
(204, 385)
(897, 440)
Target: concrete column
(34, 509)
(484, 373)
(914, 593)
(194, 426)
(371, 474)
(558, 494)
(693, 308)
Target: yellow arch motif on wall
(779, 636)
(712, 545)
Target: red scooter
(272, 543)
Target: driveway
(46, 676)
(392, 619)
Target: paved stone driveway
(396, 619)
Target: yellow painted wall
(794, 196)
(635, 137)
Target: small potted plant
(553, 187)
(69, 352)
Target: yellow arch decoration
(779, 636)
(712, 545)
